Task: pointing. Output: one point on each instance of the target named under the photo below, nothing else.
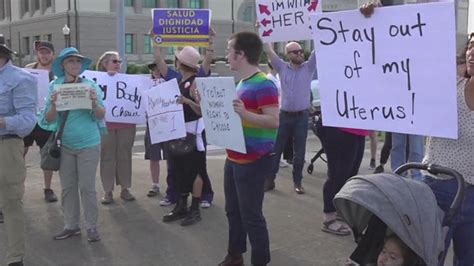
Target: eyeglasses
(300, 51)
(228, 51)
(116, 61)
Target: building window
(170, 50)
(129, 3)
(36, 38)
(247, 15)
(151, 3)
(49, 37)
(2, 10)
(172, 3)
(148, 44)
(129, 47)
(26, 45)
(26, 6)
(195, 4)
(36, 5)
(48, 3)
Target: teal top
(82, 129)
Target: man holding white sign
(244, 174)
(295, 77)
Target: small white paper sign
(165, 116)
(285, 20)
(394, 71)
(223, 124)
(73, 96)
(42, 77)
(122, 95)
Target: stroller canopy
(406, 206)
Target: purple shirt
(295, 83)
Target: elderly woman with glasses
(116, 155)
(80, 148)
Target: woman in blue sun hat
(80, 151)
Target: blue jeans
(295, 126)
(416, 151)
(243, 189)
(461, 231)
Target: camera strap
(59, 134)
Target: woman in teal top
(80, 151)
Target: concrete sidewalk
(133, 233)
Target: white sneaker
(165, 202)
(283, 164)
(205, 204)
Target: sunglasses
(300, 51)
(115, 61)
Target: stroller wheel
(310, 168)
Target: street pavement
(133, 233)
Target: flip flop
(340, 231)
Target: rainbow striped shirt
(256, 92)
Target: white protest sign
(165, 116)
(42, 77)
(394, 71)
(73, 96)
(285, 20)
(122, 96)
(223, 124)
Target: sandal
(340, 231)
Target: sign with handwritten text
(122, 95)
(73, 96)
(165, 116)
(181, 27)
(223, 124)
(394, 71)
(285, 20)
(42, 76)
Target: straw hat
(188, 56)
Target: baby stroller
(315, 116)
(376, 205)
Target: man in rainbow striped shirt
(244, 174)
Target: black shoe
(379, 169)
(232, 260)
(179, 212)
(299, 189)
(191, 218)
(1, 217)
(269, 184)
(18, 263)
(372, 164)
(67, 233)
(49, 195)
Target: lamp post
(67, 35)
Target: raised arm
(268, 49)
(209, 57)
(160, 62)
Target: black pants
(243, 189)
(344, 152)
(386, 148)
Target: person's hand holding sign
(367, 9)
(239, 107)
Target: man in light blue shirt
(18, 93)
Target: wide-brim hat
(57, 66)
(3, 46)
(188, 56)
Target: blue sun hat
(57, 66)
